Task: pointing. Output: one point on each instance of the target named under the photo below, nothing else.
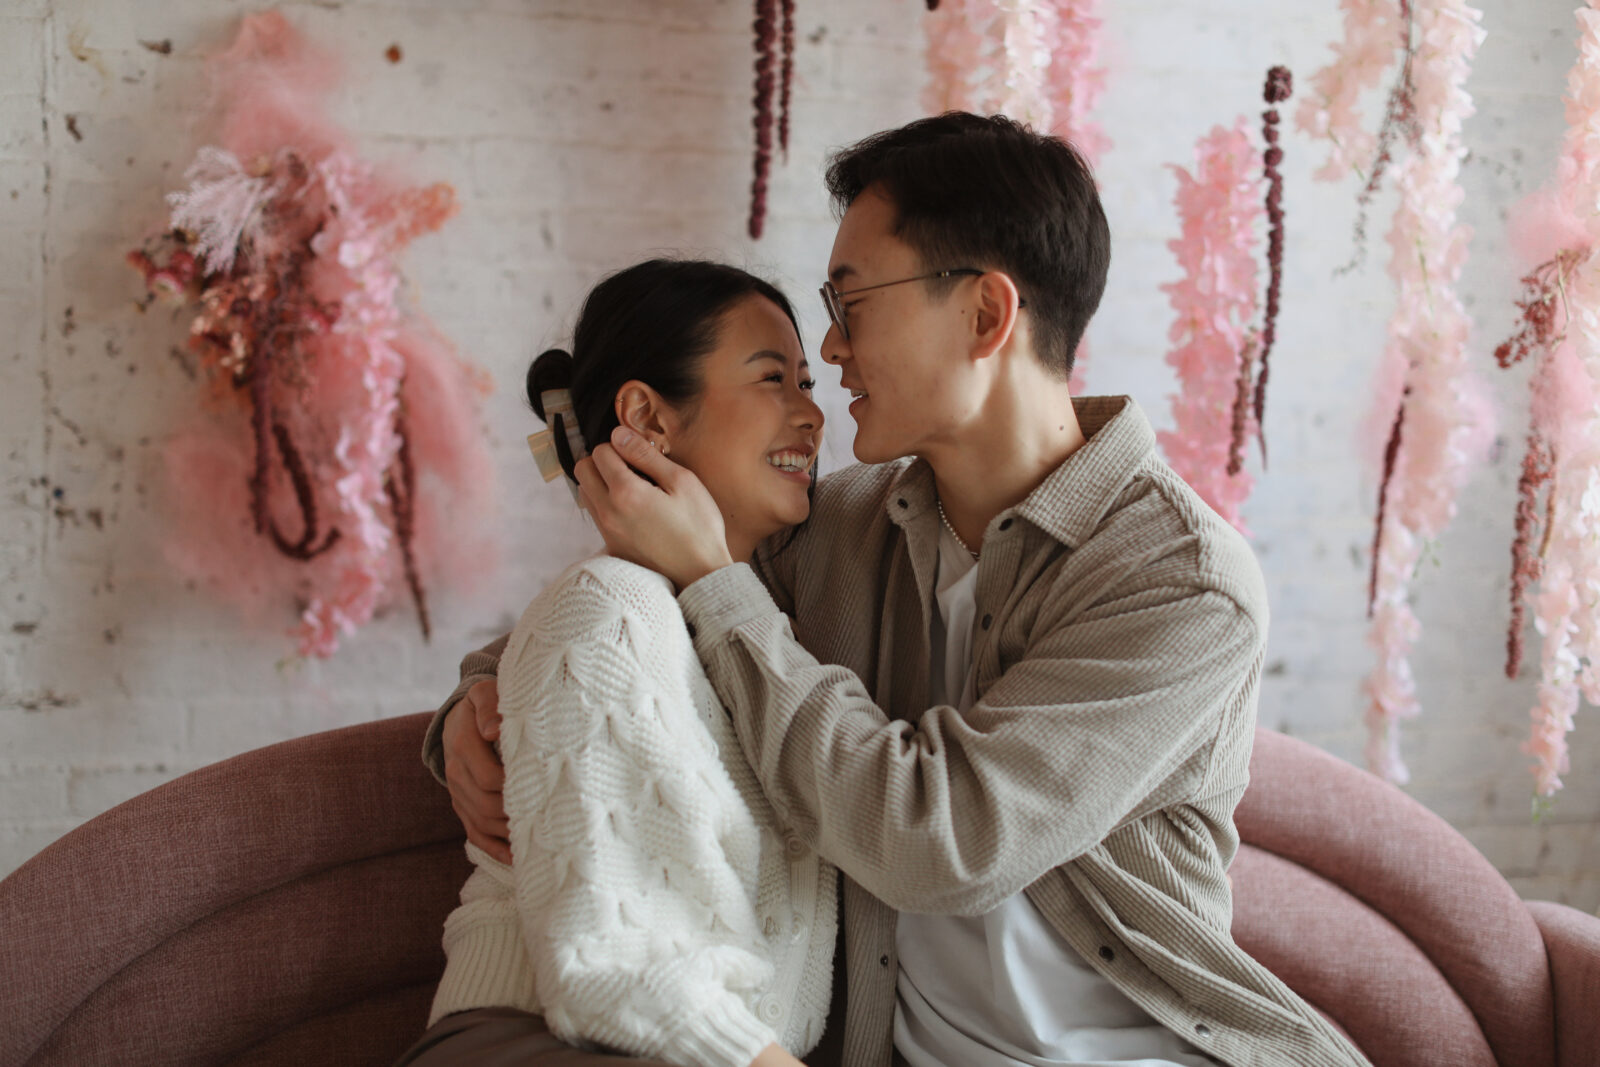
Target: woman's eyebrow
(767, 353)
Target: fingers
(642, 456)
(484, 696)
(496, 844)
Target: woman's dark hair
(971, 191)
(655, 323)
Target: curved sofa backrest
(287, 899)
(1384, 917)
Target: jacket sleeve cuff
(722, 601)
(433, 740)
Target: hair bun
(552, 369)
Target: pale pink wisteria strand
(1448, 419)
(1038, 63)
(1566, 414)
(365, 331)
(1328, 107)
(1214, 305)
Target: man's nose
(835, 346)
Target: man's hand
(473, 770)
(673, 527)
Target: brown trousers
(503, 1037)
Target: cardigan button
(1106, 953)
(1202, 1030)
(794, 847)
(883, 961)
(770, 1009)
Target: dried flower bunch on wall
(283, 245)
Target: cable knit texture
(655, 906)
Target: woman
(655, 906)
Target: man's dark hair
(971, 191)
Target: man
(1016, 704)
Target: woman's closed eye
(777, 377)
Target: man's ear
(641, 409)
(996, 318)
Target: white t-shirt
(1003, 989)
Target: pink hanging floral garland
(1215, 304)
(284, 245)
(1561, 333)
(1034, 62)
(1445, 419)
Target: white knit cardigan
(654, 906)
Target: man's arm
(1109, 716)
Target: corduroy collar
(1074, 497)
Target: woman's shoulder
(596, 593)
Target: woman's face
(752, 435)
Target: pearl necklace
(946, 520)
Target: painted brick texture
(583, 135)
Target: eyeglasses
(832, 298)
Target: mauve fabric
(319, 868)
(1573, 942)
(1406, 863)
(1363, 972)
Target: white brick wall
(583, 135)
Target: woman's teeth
(790, 461)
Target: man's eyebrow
(841, 272)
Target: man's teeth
(790, 461)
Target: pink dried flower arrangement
(284, 245)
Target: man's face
(904, 357)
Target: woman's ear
(641, 409)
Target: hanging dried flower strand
(1280, 84)
(1425, 386)
(1559, 331)
(1214, 304)
(774, 45)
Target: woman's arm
(635, 857)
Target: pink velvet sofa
(284, 907)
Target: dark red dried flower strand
(402, 493)
(1241, 408)
(1280, 85)
(786, 78)
(305, 496)
(1391, 453)
(765, 28)
(1537, 466)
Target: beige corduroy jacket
(1118, 656)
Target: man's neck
(1023, 434)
